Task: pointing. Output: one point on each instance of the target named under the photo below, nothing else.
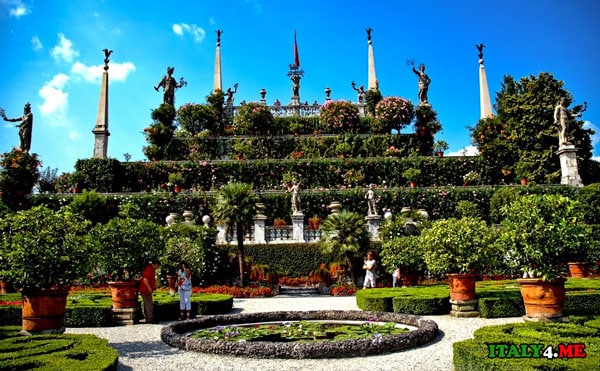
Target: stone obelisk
(484, 93)
(372, 82)
(217, 85)
(101, 129)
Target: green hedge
(95, 310)
(292, 260)
(55, 352)
(421, 305)
(473, 354)
(424, 300)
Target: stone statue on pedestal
(24, 127)
(169, 84)
(561, 120)
(230, 93)
(296, 205)
(361, 92)
(424, 82)
(371, 198)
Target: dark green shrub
(18, 174)
(589, 197)
(493, 307)
(421, 305)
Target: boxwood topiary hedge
(54, 352)
(474, 354)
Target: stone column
(260, 230)
(101, 128)
(568, 165)
(373, 222)
(298, 227)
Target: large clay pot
(124, 294)
(579, 269)
(462, 286)
(44, 310)
(3, 287)
(172, 281)
(543, 300)
(409, 279)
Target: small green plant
(472, 177)
(411, 174)
(176, 178)
(440, 146)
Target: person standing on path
(369, 268)
(147, 287)
(184, 280)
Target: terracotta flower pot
(43, 310)
(172, 281)
(523, 181)
(462, 286)
(579, 269)
(124, 294)
(544, 300)
(413, 184)
(409, 279)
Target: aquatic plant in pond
(301, 331)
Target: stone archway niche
(176, 335)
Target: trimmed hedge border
(175, 335)
(55, 352)
(473, 354)
(166, 308)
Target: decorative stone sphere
(388, 215)
(206, 219)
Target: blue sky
(52, 57)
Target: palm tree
(235, 206)
(345, 234)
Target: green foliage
(372, 97)
(392, 113)
(92, 207)
(196, 118)
(426, 126)
(186, 243)
(524, 129)
(345, 234)
(502, 197)
(404, 253)
(411, 174)
(216, 100)
(440, 146)
(253, 118)
(589, 198)
(44, 248)
(541, 232)
(468, 209)
(457, 245)
(160, 133)
(127, 245)
(57, 352)
(291, 260)
(18, 174)
(340, 117)
(99, 174)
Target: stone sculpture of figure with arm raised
(424, 82)
(169, 84)
(24, 127)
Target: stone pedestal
(464, 308)
(298, 227)
(260, 228)
(373, 222)
(568, 165)
(125, 316)
(221, 234)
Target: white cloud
(117, 71)
(197, 33)
(467, 151)
(17, 9)
(64, 50)
(36, 44)
(596, 137)
(73, 135)
(55, 99)
(596, 158)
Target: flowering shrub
(295, 281)
(236, 291)
(19, 173)
(253, 118)
(472, 177)
(339, 117)
(392, 113)
(343, 290)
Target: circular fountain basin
(424, 331)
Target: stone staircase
(289, 291)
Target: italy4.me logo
(507, 350)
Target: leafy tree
(195, 118)
(372, 97)
(235, 206)
(345, 234)
(524, 137)
(216, 100)
(18, 174)
(160, 133)
(426, 126)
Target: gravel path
(140, 346)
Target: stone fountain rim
(176, 335)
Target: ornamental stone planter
(43, 311)
(579, 269)
(462, 286)
(124, 294)
(544, 300)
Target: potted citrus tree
(45, 251)
(126, 245)
(412, 175)
(439, 147)
(406, 254)
(540, 234)
(458, 248)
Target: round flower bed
(176, 335)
